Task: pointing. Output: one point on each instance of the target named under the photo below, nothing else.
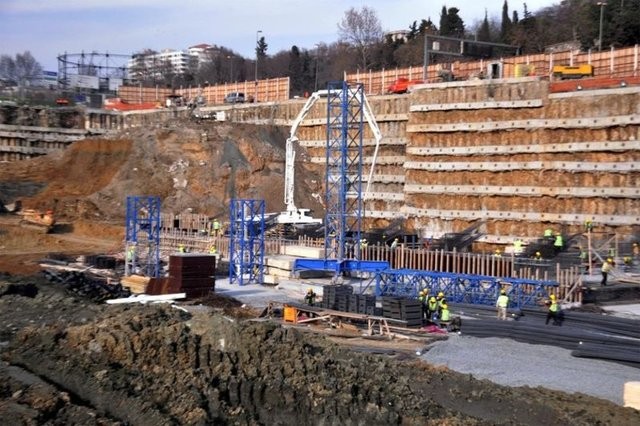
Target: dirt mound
(189, 165)
(154, 364)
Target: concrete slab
(299, 251)
(280, 261)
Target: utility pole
(255, 99)
(602, 4)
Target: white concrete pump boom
(293, 214)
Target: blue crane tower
(142, 237)
(246, 242)
(344, 207)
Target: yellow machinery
(565, 72)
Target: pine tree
(505, 27)
(484, 32)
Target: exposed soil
(69, 360)
(157, 364)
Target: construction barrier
(610, 63)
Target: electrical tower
(142, 241)
(343, 180)
(246, 236)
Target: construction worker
(181, 248)
(501, 304)
(216, 227)
(441, 301)
(497, 253)
(212, 250)
(423, 298)
(636, 250)
(394, 244)
(517, 247)
(548, 233)
(627, 262)
(553, 311)
(537, 256)
(444, 314)
(588, 225)
(558, 243)
(432, 308)
(310, 297)
(364, 243)
(607, 266)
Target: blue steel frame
(142, 238)
(343, 179)
(462, 288)
(246, 236)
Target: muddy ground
(70, 360)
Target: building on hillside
(202, 51)
(156, 64)
(397, 35)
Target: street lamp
(602, 4)
(255, 98)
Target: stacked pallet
(336, 297)
(192, 273)
(407, 310)
(362, 304)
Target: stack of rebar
(587, 335)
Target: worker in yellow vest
(554, 310)
(501, 304)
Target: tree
(22, 70)
(451, 24)
(427, 27)
(484, 32)
(261, 48)
(361, 29)
(413, 31)
(505, 25)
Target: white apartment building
(178, 60)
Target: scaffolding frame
(343, 179)
(246, 247)
(142, 237)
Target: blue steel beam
(462, 288)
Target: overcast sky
(48, 28)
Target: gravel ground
(511, 363)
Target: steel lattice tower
(246, 248)
(142, 242)
(343, 180)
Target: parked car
(234, 98)
(402, 85)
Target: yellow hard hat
(444, 306)
(441, 294)
(552, 297)
(537, 253)
(610, 260)
(433, 299)
(310, 290)
(503, 291)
